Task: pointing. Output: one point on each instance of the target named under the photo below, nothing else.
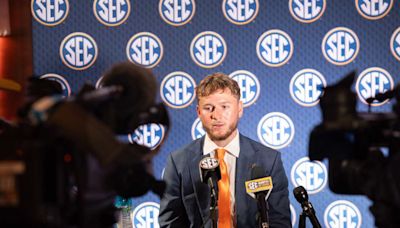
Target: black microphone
(259, 188)
(301, 196)
(210, 174)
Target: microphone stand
(213, 204)
(308, 211)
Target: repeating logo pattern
(61, 80)
(146, 215)
(145, 49)
(111, 12)
(50, 12)
(178, 89)
(371, 82)
(240, 12)
(197, 129)
(208, 49)
(249, 86)
(395, 43)
(78, 51)
(306, 87)
(342, 213)
(312, 175)
(307, 11)
(274, 48)
(340, 46)
(275, 130)
(175, 12)
(373, 9)
(148, 135)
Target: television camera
(363, 149)
(62, 165)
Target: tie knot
(220, 153)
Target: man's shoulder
(187, 151)
(258, 147)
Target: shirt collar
(233, 146)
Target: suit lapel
(246, 160)
(201, 190)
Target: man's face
(219, 114)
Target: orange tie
(224, 201)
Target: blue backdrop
(281, 52)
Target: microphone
(301, 196)
(210, 174)
(259, 188)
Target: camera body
(356, 144)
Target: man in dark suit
(186, 201)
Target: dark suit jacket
(186, 200)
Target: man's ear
(240, 109)
(198, 110)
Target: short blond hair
(215, 82)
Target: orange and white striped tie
(224, 201)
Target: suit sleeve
(172, 211)
(279, 211)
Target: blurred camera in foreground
(71, 164)
(363, 149)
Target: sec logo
(306, 87)
(50, 12)
(197, 129)
(240, 12)
(145, 49)
(275, 130)
(395, 43)
(111, 12)
(249, 86)
(312, 175)
(274, 48)
(340, 46)
(342, 214)
(146, 215)
(58, 78)
(178, 89)
(373, 9)
(307, 11)
(148, 135)
(293, 214)
(78, 51)
(371, 82)
(208, 49)
(177, 12)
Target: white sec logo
(146, 215)
(371, 82)
(274, 48)
(148, 135)
(340, 46)
(208, 49)
(176, 12)
(111, 12)
(307, 11)
(197, 129)
(312, 175)
(240, 12)
(306, 87)
(373, 9)
(178, 89)
(342, 214)
(275, 130)
(144, 49)
(395, 43)
(50, 12)
(78, 51)
(249, 86)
